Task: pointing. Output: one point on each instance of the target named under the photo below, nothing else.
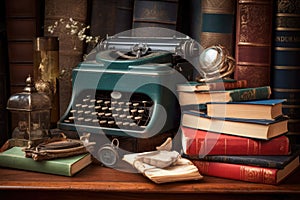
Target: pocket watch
(108, 153)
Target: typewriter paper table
(95, 182)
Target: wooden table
(97, 182)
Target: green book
(234, 95)
(15, 158)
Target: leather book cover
(269, 161)
(218, 23)
(248, 173)
(286, 60)
(124, 16)
(253, 41)
(162, 14)
(108, 18)
(202, 143)
(102, 19)
(191, 18)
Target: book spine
(235, 159)
(227, 85)
(237, 172)
(253, 41)
(102, 17)
(191, 18)
(218, 20)
(25, 16)
(251, 94)
(124, 15)
(201, 143)
(161, 14)
(286, 59)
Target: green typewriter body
(118, 95)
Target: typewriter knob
(108, 153)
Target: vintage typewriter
(127, 86)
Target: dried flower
(74, 28)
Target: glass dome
(30, 113)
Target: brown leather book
(253, 42)
(217, 28)
(161, 14)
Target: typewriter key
(108, 153)
(116, 95)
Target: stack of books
(241, 133)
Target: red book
(247, 173)
(253, 41)
(200, 143)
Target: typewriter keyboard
(111, 109)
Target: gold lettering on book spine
(203, 167)
(154, 13)
(288, 23)
(210, 39)
(288, 6)
(248, 95)
(255, 22)
(254, 174)
(218, 6)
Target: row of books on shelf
(236, 132)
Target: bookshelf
(3, 77)
(26, 16)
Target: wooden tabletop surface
(102, 179)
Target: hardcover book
(286, 60)
(199, 143)
(218, 23)
(163, 14)
(242, 172)
(269, 109)
(243, 94)
(259, 129)
(123, 15)
(15, 158)
(194, 86)
(271, 161)
(253, 41)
